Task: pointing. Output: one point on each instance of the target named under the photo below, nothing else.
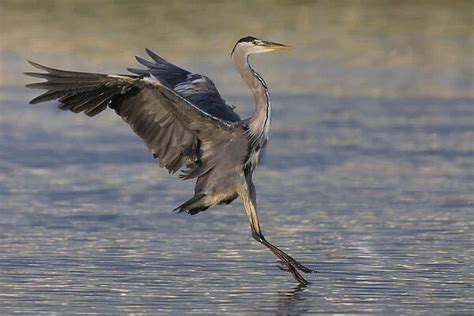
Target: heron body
(186, 124)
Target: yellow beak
(275, 46)
(278, 47)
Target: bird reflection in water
(287, 300)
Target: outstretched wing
(171, 126)
(198, 89)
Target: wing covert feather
(171, 126)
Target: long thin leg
(248, 196)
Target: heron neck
(260, 121)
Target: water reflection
(288, 300)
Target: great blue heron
(186, 124)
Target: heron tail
(194, 205)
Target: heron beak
(275, 46)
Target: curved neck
(260, 120)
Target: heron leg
(248, 196)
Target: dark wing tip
(149, 52)
(141, 60)
(35, 74)
(31, 62)
(36, 100)
(36, 85)
(140, 72)
(36, 65)
(154, 56)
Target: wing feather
(171, 126)
(197, 89)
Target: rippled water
(374, 190)
(376, 194)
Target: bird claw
(282, 266)
(297, 265)
(291, 268)
(306, 270)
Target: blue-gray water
(377, 194)
(369, 177)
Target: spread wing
(169, 123)
(198, 89)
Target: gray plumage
(185, 123)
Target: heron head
(252, 45)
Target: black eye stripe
(248, 39)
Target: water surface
(369, 176)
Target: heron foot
(287, 263)
(301, 267)
(298, 277)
